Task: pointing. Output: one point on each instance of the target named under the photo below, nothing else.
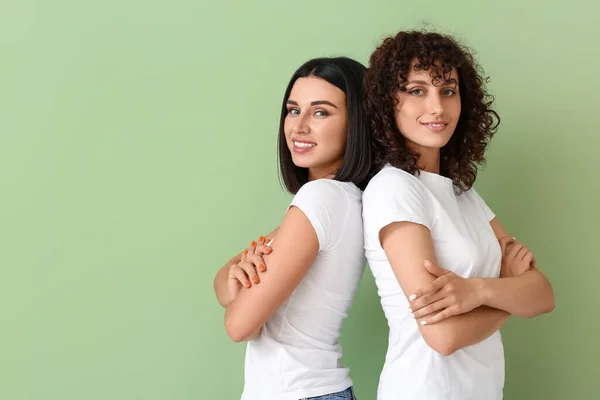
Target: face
(428, 111)
(316, 126)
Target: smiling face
(316, 126)
(428, 111)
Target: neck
(325, 172)
(429, 160)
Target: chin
(300, 163)
(435, 143)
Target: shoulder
(329, 205)
(391, 181)
(328, 193)
(478, 202)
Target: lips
(436, 126)
(301, 145)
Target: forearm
(238, 331)
(220, 282)
(220, 287)
(467, 329)
(527, 295)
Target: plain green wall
(138, 153)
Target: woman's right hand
(245, 272)
(516, 258)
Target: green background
(138, 153)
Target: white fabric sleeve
(326, 205)
(395, 196)
(489, 214)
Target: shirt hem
(301, 394)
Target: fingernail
(412, 315)
(261, 268)
(252, 243)
(268, 250)
(255, 279)
(412, 297)
(247, 284)
(245, 252)
(427, 263)
(423, 322)
(261, 238)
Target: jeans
(347, 394)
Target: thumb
(434, 269)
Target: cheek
(408, 112)
(404, 118)
(287, 127)
(333, 136)
(456, 109)
(342, 135)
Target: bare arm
(220, 281)
(526, 295)
(407, 246)
(251, 309)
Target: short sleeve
(489, 214)
(394, 195)
(326, 205)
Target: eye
(294, 111)
(416, 92)
(448, 92)
(321, 113)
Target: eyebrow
(314, 103)
(419, 82)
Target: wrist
(483, 290)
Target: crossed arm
(486, 303)
(251, 309)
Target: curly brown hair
(387, 74)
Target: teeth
(304, 145)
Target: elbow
(237, 330)
(445, 345)
(236, 336)
(546, 306)
(234, 331)
(550, 304)
(446, 350)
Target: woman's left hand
(448, 295)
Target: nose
(301, 124)
(435, 104)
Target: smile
(436, 126)
(304, 145)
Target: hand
(244, 271)
(516, 258)
(445, 297)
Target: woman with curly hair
(432, 120)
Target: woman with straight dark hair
(288, 294)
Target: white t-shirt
(465, 244)
(298, 354)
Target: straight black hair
(347, 75)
